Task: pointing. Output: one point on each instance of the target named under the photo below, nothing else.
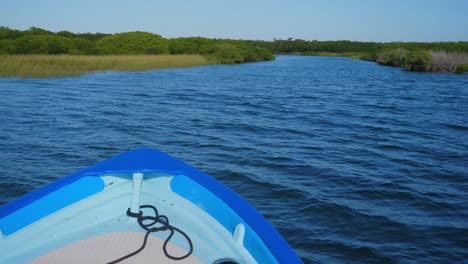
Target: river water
(350, 161)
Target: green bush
(227, 54)
(221, 50)
(417, 61)
(92, 36)
(37, 31)
(41, 41)
(42, 44)
(194, 45)
(462, 69)
(6, 46)
(6, 33)
(132, 43)
(84, 47)
(392, 57)
(264, 54)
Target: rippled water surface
(350, 161)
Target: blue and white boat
(141, 206)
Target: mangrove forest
(413, 56)
(37, 52)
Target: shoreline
(430, 62)
(64, 65)
(45, 66)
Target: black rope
(164, 221)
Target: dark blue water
(350, 161)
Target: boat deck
(109, 247)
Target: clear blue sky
(364, 20)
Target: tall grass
(41, 66)
(420, 60)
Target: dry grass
(444, 61)
(42, 66)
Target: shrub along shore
(38, 52)
(413, 56)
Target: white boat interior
(97, 229)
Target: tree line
(406, 54)
(341, 46)
(41, 41)
(413, 56)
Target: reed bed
(445, 61)
(42, 66)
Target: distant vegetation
(453, 61)
(413, 56)
(462, 68)
(40, 66)
(41, 41)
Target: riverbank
(418, 60)
(413, 56)
(96, 46)
(353, 55)
(43, 66)
(462, 68)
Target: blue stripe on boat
(50, 203)
(217, 209)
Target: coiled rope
(150, 228)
